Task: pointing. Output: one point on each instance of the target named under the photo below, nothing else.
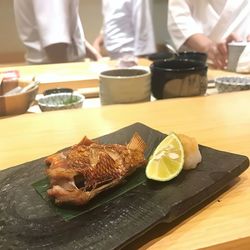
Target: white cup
(235, 50)
(126, 85)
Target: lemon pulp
(167, 160)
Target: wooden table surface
(219, 121)
(80, 75)
(74, 75)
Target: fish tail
(137, 143)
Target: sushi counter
(83, 77)
(211, 213)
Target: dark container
(57, 90)
(178, 78)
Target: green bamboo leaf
(70, 212)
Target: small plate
(59, 101)
(230, 84)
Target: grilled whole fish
(88, 168)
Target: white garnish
(173, 156)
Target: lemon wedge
(167, 160)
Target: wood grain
(219, 121)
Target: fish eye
(79, 181)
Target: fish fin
(137, 143)
(105, 186)
(85, 141)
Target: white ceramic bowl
(124, 85)
(230, 84)
(60, 101)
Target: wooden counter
(74, 75)
(219, 121)
(80, 75)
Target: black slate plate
(27, 222)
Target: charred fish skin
(88, 168)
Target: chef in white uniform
(128, 28)
(51, 31)
(208, 25)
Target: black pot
(178, 78)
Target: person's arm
(217, 52)
(201, 43)
(99, 42)
(91, 52)
(186, 32)
(181, 23)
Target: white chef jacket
(214, 18)
(128, 28)
(41, 23)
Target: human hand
(201, 43)
(217, 52)
(127, 61)
(223, 45)
(217, 56)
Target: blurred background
(12, 51)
